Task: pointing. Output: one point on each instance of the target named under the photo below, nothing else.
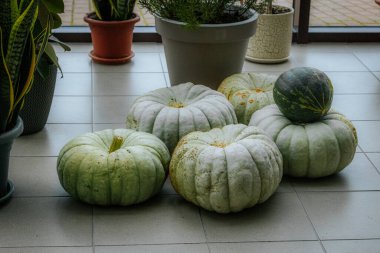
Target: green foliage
(195, 12)
(49, 19)
(267, 7)
(19, 56)
(112, 10)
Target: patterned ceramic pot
(273, 38)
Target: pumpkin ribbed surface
(248, 92)
(171, 113)
(226, 170)
(312, 150)
(113, 167)
(303, 94)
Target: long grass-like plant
(114, 10)
(19, 56)
(196, 12)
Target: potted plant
(204, 41)
(273, 38)
(38, 101)
(19, 58)
(111, 27)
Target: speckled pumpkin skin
(129, 175)
(248, 92)
(171, 113)
(226, 170)
(311, 150)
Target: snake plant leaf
(16, 44)
(54, 6)
(103, 9)
(8, 15)
(121, 5)
(126, 8)
(6, 91)
(29, 60)
(57, 21)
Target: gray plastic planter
(6, 141)
(38, 101)
(207, 54)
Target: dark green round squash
(303, 94)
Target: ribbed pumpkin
(171, 113)
(226, 170)
(113, 167)
(248, 92)
(303, 94)
(311, 150)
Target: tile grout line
(361, 62)
(92, 130)
(92, 229)
(308, 217)
(369, 159)
(204, 230)
(92, 97)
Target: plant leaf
(6, 91)
(55, 6)
(16, 43)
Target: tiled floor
(338, 214)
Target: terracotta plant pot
(112, 40)
(6, 141)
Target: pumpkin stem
(219, 144)
(117, 141)
(173, 103)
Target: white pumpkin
(248, 92)
(316, 149)
(226, 170)
(171, 113)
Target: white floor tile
(281, 218)
(354, 82)
(352, 246)
(183, 248)
(45, 222)
(74, 62)
(127, 83)
(162, 220)
(35, 176)
(73, 84)
(142, 62)
(370, 60)
(358, 106)
(267, 247)
(47, 250)
(344, 215)
(49, 141)
(360, 175)
(368, 135)
(329, 61)
(71, 109)
(112, 109)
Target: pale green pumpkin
(314, 149)
(248, 92)
(113, 167)
(226, 170)
(171, 113)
